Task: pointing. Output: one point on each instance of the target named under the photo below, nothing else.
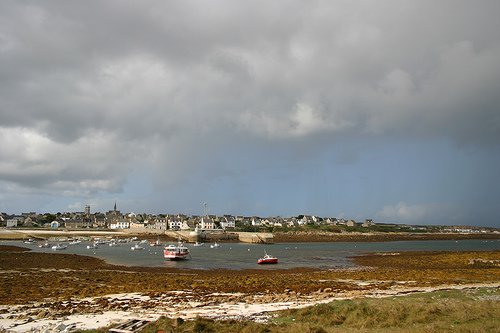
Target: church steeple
(115, 207)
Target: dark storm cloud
(113, 83)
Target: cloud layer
(92, 90)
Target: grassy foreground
(443, 311)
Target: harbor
(240, 256)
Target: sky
(388, 110)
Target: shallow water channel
(244, 256)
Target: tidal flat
(41, 289)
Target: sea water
(244, 256)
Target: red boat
(267, 259)
(176, 252)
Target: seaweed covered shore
(29, 276)
(46, 285)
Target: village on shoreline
(227, 227)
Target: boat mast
(205, 211)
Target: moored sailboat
(59, 247)
(157, 243)
(136, 247)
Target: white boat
(157, 243)
(198, 244)
(45, 245)
(59, 247)
(29, 241)
(92, 246)
(215, 245)
(137, 247)
(176, 251)
(74, 242)
(113, 243)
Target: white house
(331, 221)
(120, 224)
(174, 223)
(302, 221)
(11, 223)
(228, 222)
(256, 221)
(207, 223)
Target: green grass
(444, 311)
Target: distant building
(186, 225)
(28, 222)
(74, 223)
(160, 224)
(368, 223)
(87, 222)
(174, 222)
(207, 223)
(228, 222)
(134, 224)
(351, 223)
(331, 221)
(112, 217)
(120, 224)
(12, 222)
(99, 220)
(256, 222)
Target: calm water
(244, 256)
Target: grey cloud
(161, 79)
